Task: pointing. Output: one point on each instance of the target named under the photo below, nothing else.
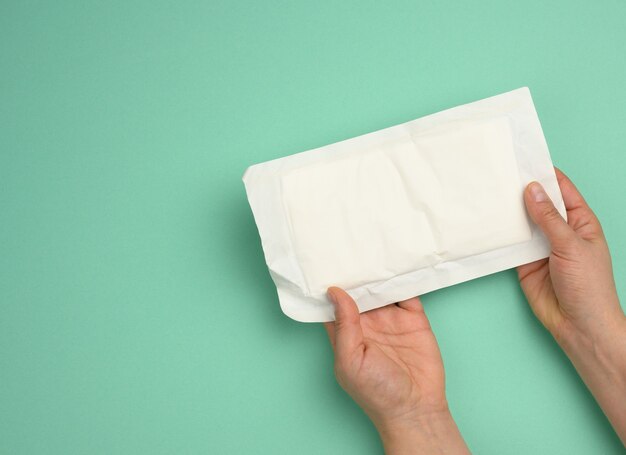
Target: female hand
(389, 362)
(573, 291)
(573, 294)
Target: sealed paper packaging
(405, 210)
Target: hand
(389, 362)
(573, 294)
(572, 291)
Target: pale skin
(389, 362)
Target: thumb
(348, 335)
(543, 212)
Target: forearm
(433, 434)
(600, 360)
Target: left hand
(388, 360)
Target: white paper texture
(405, 210)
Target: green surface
(136, 312)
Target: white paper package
(405, 210)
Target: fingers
(542, 211)
(571, 196)
(579, 215)
(525, 270)
(414, 304)
(348, 336)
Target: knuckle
(568, 248)
(549, 213)
(339, 328)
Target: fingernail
(537, 192)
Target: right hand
(572, 292)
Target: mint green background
(136, 312)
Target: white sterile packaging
(405, 210)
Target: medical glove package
(405, 210)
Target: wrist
(600, 359)
(432, 433)
(599, 350)
(598, 338)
